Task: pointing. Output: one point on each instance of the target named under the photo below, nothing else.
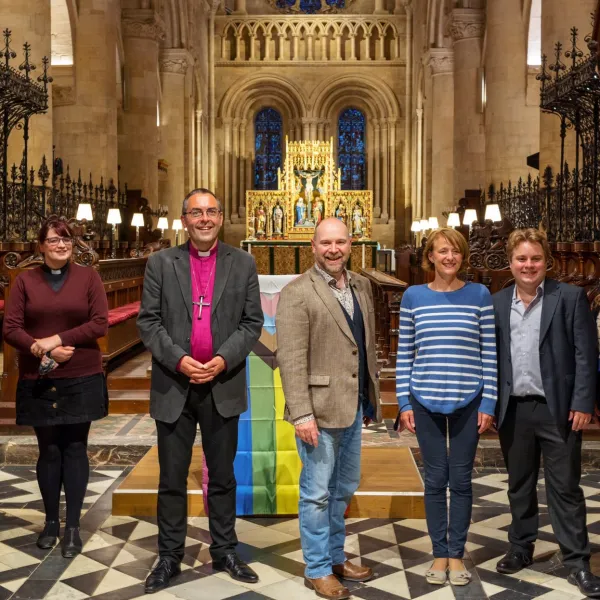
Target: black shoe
(236, 568)
(47, 539)
(587, 582)
(71, 542)
(161, 575)
(513, 562)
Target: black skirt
(46, 401)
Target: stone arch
(263, 90)
(63, 20)
(368, 91)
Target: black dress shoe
(587, 582)
(513, 562)
(161, 575)
(47, 539)
(71, 542)
(236, 568)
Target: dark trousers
(448, 466)
(219, 444)
(63, 461)
(528, 432)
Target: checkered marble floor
(119, 551)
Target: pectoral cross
(200, 304)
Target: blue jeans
(445, 468)
(330, 476)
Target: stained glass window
(267, 144)
(309, 7)
(351, 149)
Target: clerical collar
(51, 271)
(195, 252)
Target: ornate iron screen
(267, 145)
(351, 149)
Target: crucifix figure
(200, 304)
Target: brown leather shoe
(327, 587)
(353, 572)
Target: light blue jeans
(330, 476)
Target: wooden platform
(390, 486)
(129, 387)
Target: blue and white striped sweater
(447, 349)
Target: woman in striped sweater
(446, 387)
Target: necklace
(201, 304)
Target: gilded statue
(278, 220)
(357, 221)
(300, 212)
(261, 220)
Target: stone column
(469, 141)
(138, 144)
(380, 8)
(419, 165)
(441, 63)
(29, 21)
(377, 168)
(385, 182)
(557, 19)
(227, 169)
(511, 127)
(244, 166)
(85, 128)
(392, 137)
(173, 65)
(235, 172)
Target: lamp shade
(424, 224)
(114, 216)
(416, 226)
(177, 225)
(137, 220)
(84, 211)
(492, 213)
(163, 223)
(433, 223)
(453, 220)
(470, 216)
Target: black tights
(63, 460)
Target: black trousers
(219, 443)
(528, 432)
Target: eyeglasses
(196, 213)
(54, 241)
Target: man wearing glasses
(200, 317)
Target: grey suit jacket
(317, 353)
(568, 351)
(165, 327)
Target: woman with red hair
(54, 316)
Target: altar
(282, 257)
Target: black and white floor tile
(119, 551)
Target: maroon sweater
(78, 313)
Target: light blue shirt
(525, 344)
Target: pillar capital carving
(467, 23)
(143, 23)
(175, 60)
(440, 60)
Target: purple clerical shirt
(202, 271)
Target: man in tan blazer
(326, 355)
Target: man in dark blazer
(547, 362)
(200, 317)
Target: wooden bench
(123, 283)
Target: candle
(363, 256)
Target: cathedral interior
(395, 116)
